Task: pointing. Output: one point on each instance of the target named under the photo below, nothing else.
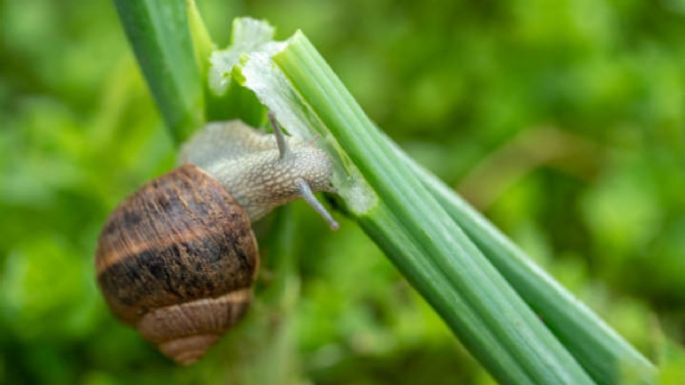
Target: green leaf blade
(433, 235)
(605, 354)
(158, 32)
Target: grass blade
(425, 243)
(597, 347)
(602, 351)
(158, 32)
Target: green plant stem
(433, 252)
(601, 351)
(158, 32)
(202, 42)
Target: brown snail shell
(177, 260)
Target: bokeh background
(563, 121)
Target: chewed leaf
(248, 35)
(248, 63)
(275, 91)
(249, 31)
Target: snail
(177, 258)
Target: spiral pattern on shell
(177, 260)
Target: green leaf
(158, 32)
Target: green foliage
(465, 87)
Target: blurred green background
(563, 121)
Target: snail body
(177, 259)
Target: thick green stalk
(201, 41)
(158, 32)
(436, 288)
(425, 243)
(603, 352)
